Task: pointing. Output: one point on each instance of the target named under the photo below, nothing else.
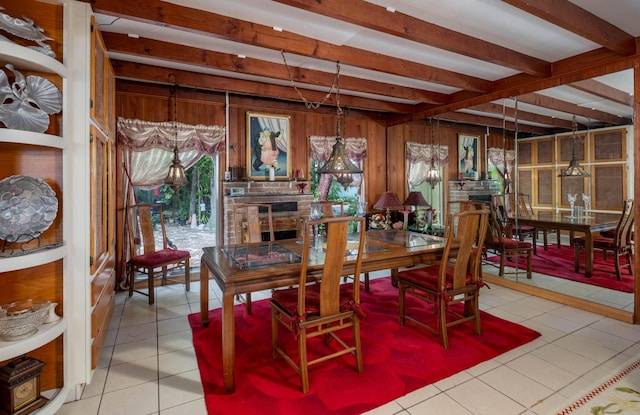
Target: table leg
(204, 294)
(588, 254)
(394, 277)
(228, 342)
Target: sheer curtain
(147, 152)
(321, 147)
(419, 158)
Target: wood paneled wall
(385, 164)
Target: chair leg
(442, 321)
(152, 288)
(247, 304)
(187, 276)
(576, 258)
(401, 299)
(529, 265)
(132, 278)
(304, 366)
(274, 332)
(476, 307)
(629, 262)
(357, 344)
(618, 272)
(502, 257)
(366, 282)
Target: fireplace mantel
(275, 193)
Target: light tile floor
(148, 365)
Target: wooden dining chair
(508, 248)
(251, 220)
(517, 204)
(146, 257)
(620, 245)
(455, 280)
(324, 309)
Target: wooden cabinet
(604, 153)
(102, 198)
(37, 270)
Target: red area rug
(559, 263)
(397, 360)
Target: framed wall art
(468, 156)
(268, 145)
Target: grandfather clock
(20, 386)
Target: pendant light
(176, 177)
(433, 175)
(338, 163)
(574, 169)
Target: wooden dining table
(588, 224)
(242, 269)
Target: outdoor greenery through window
(189, 217)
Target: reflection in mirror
(603, 145)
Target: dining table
(589, 224)
(247, 268)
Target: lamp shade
(416, 199)
(340, 165)
(176, 177)
(388, 200)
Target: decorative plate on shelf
(28, 206)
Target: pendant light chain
(316, 105)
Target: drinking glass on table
(315, 213)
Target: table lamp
(414, 199)
(388, 201)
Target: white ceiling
(493, 21)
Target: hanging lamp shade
(574, 169)
(339, 164)
(433, 175)
(176, 178)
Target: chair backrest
(141, 227)
(328, 208)
(484, 209)
(249, 219)
(335, 259)
(624, 230)
(458, 250)
(517, 203)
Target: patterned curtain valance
(138, 135)
(416, 152)
(321, 147)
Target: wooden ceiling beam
(605, 91)
(466, 118)
(524, 116)
(544, 101)
(583, 68)
(121, 43)
(577, 20)
(375, 17)
(156, 74)
(183, 18)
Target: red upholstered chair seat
(158, 258)
(288, 300)
(512, 243)
(427, 277)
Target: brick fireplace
(288, 205)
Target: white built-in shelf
(46, 333)
(57, 398)
(23, 58)
(41, 257)
(8, 135)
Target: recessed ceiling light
(277, 28)
(242, 56)
(133, 35)
(391, 9)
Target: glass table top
(260, 255)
